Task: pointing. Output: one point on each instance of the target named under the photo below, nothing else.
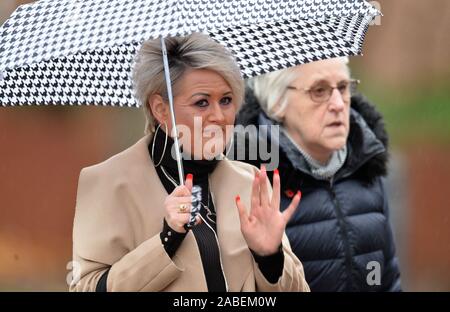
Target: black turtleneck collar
(199, 168)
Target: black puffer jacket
(341, 226)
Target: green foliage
(414, 114)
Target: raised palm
(264, 226)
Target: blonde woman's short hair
(270, 89)
(196, 51)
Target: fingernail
(289, 193)
(299, 194)
(263, 168)
(238, 198)
(276, 172)
(189, 176)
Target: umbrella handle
(172, 112)
(196, 205)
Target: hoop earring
(153, 145)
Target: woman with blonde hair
(130, 228)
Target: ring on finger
(182, 208)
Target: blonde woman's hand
(178, 206)
(264, 226)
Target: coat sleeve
(292, 278)
(103, 240)
(390, 280)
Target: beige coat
(119, 215)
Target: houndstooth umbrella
(73, 52)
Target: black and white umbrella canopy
(81, 52)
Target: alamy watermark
(234, 142)
(374, 276)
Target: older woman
(334, 148)
(130, 229)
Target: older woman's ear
(158, 108)
(278, 111)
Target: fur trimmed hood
(367, 141)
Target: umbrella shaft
(172, 112)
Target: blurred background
(405, 71)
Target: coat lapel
(227, 181)
(153, 191)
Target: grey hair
(270, 89)
(196, 51)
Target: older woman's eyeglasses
(322, 91)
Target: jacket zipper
(343, 226)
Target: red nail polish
(276, 172)
(189, 176)
(238, 198)
(289, 193)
